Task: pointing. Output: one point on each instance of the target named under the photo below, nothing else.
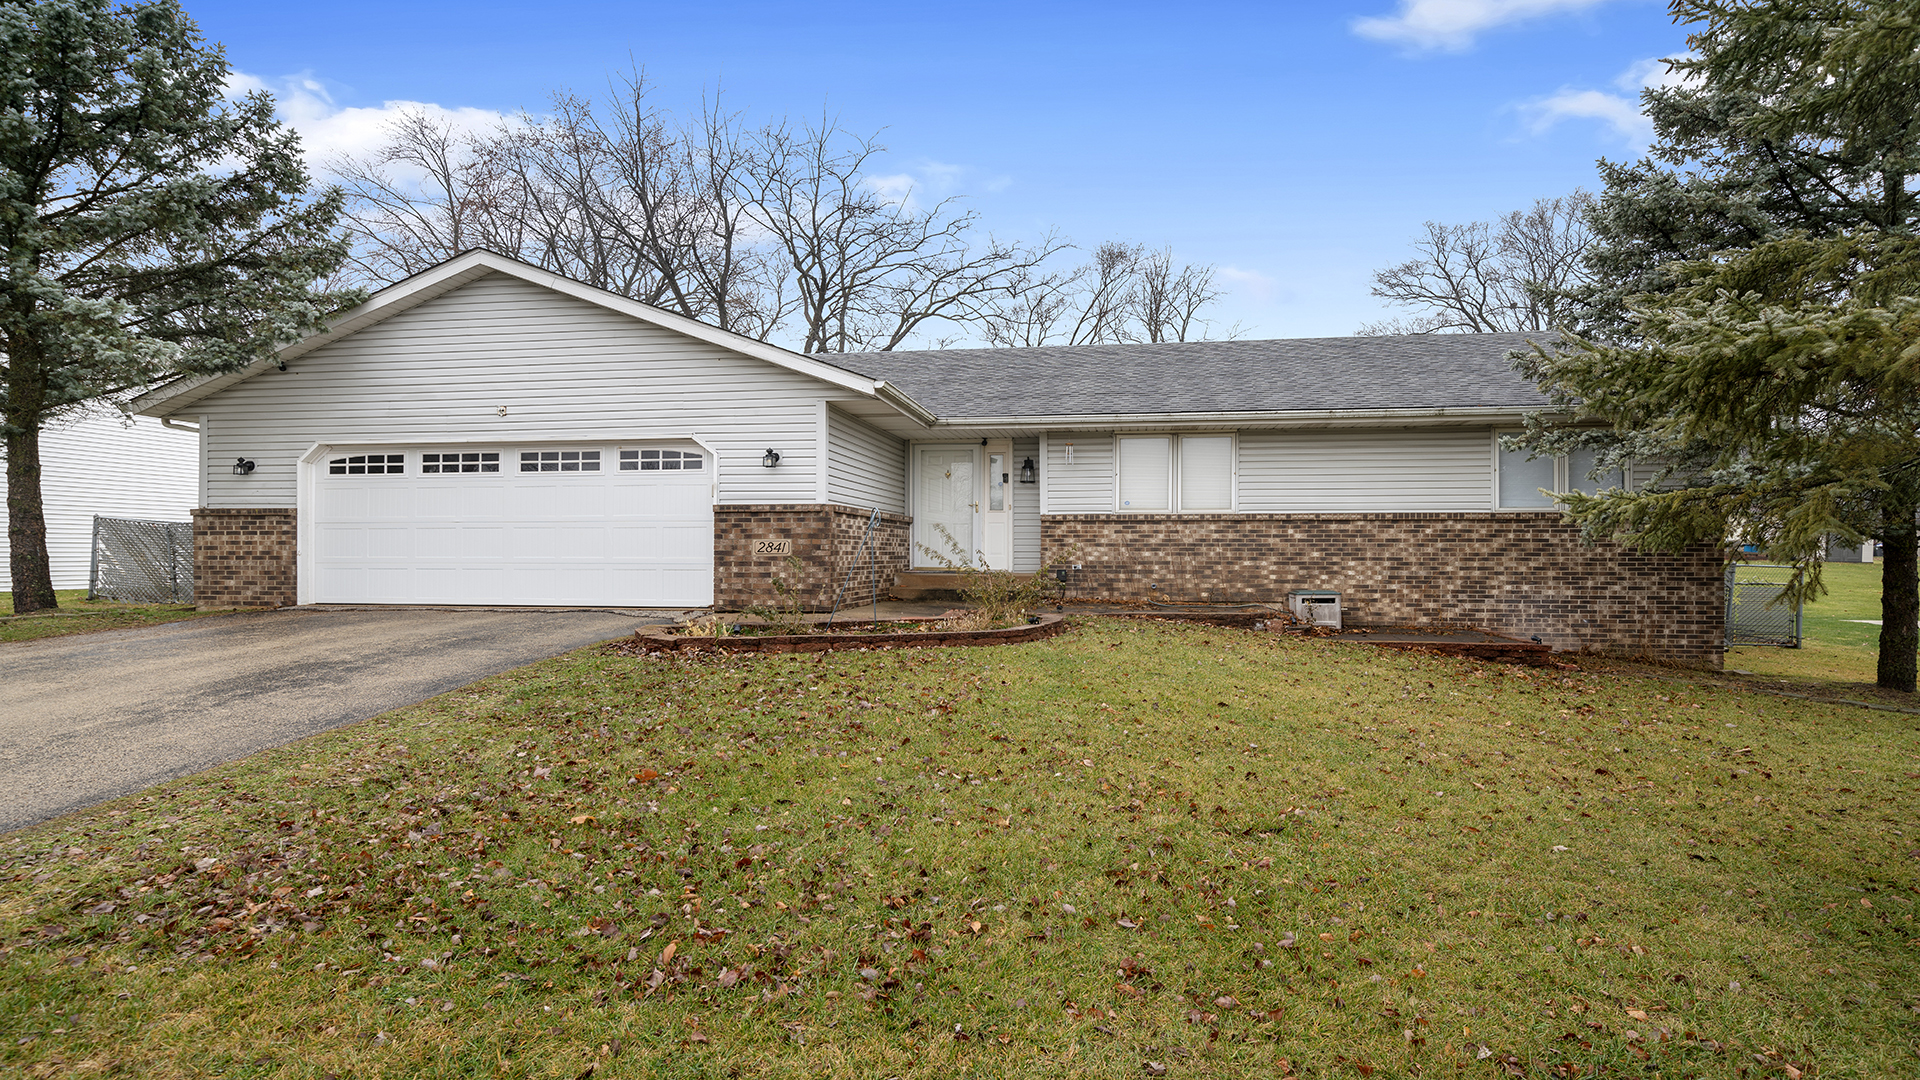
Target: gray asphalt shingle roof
(1417, 371)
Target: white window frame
(1175, 441)
(1233, 472)
(1562, 480)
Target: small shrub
(786, 615)
(998, 597)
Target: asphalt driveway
(88, 718)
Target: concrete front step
(930, 584)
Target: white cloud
(328, 129)
(1454, 24)
(1250, 283)
(1620, 112)
(925, 180)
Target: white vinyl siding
(866, 467)
(1206, 473)
(1364, 469)
(563, 369)
(1026, 509)
(101, 465)
(1086, 486)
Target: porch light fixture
(1026, 471)
(241, 466)
(770, 458)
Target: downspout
(170, 422)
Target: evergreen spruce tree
(149, 227)
(1754, 322)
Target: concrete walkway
(88, 718)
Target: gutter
(897, 398)
(1109, 420)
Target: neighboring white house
(487, 432)
(112, 466)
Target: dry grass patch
(1137, 846)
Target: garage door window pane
(660, 461)
(1146, 478)
(1206, 473)
(560, 461)
(366, 465)
(464, 461)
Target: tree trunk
(1899, 601)
(27, 523)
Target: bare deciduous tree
(1490, 277)
(779, 231)
(1125, 293)
(869, 269)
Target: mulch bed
(661, 639)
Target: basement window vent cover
(655, 460)
(366, 465)
(466, 461)
(560, 461)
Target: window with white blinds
(1146, 472)
(1206, 472)
(1579, 464)
(1520, 482)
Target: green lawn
(1837, 647)
(1132, 847)
(78, 615)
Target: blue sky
(1295, 146)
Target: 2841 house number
(773, 547)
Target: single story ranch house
(489, 433)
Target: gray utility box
(1315, 607)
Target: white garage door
(610, 525)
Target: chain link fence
(142, 562)
(1756, 614)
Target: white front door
(997, 512)
(946, 498)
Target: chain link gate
(144, 562)
(1753, 617)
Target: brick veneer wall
(828, 539)
(243, 558)
(1521, 574)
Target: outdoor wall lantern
(770, 458)
(241, 466)
(1026, 471)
